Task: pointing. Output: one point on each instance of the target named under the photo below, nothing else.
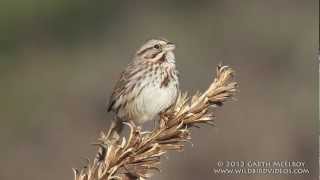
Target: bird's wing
(118, 89)
(124, 85)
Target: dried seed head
(138, 155)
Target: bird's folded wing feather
(125, 84)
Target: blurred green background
(60, 59)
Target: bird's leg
(131, 122)
(154, 123)
(163, 119)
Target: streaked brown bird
(148, 86)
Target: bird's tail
(115, 129)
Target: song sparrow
(148, 86)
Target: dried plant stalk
(136, 156)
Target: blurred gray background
(60, 59)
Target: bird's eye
(156, 46)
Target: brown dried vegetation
(137, 156)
